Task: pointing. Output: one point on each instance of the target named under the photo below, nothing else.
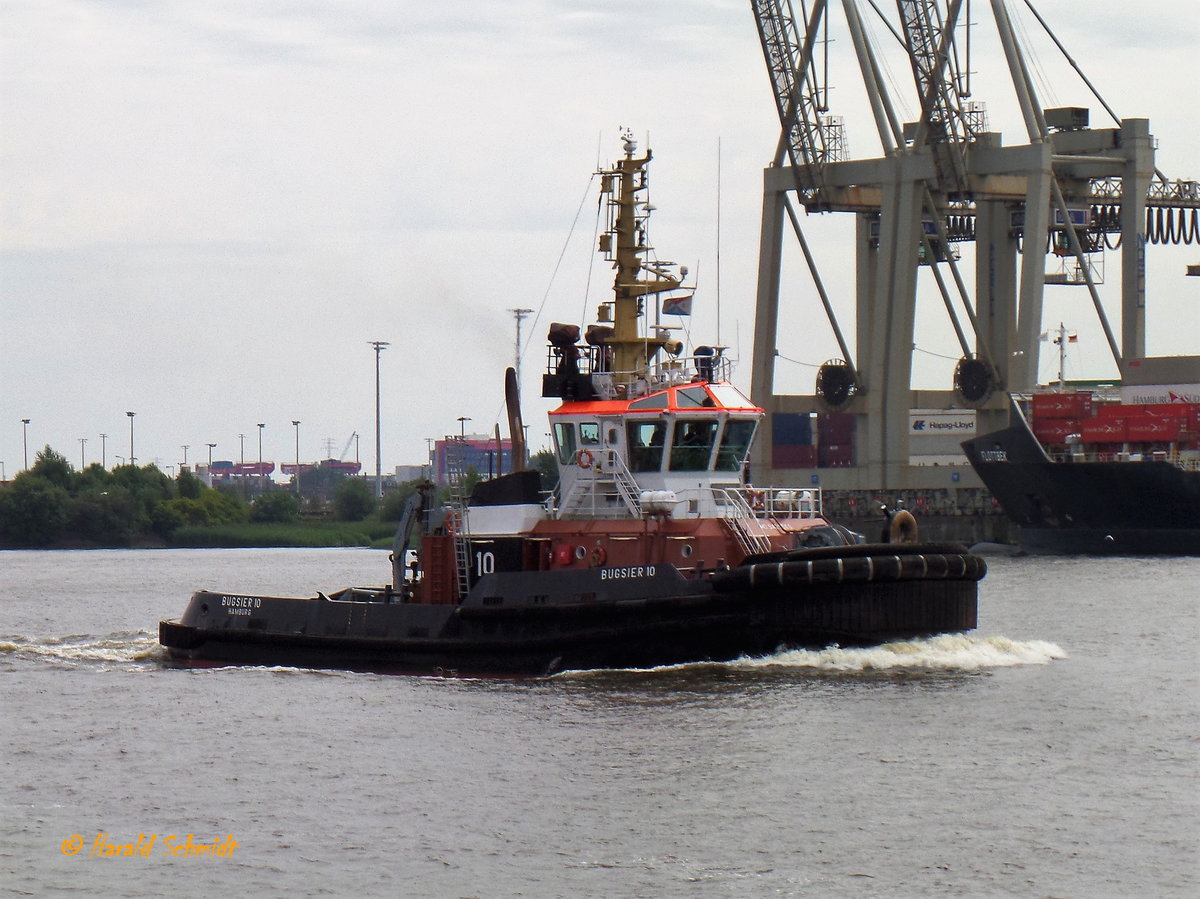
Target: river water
(1055, 752)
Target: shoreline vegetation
(53, 506)
(307, 534)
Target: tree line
(52, 504)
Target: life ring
(598, 557)
(584, 458)
(903, 528)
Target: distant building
(239, 471)
(486, 455)
(406, 473)
(346, 468)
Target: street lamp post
(82, 456)
(261, 425)
(25, 440)
(104, 451)
(296, 425)
(211, 447)
(462, 426)
(132, 457)
(185, 449)
(379, 346)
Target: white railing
(660, 374)
(1179, 459)
(715, 501)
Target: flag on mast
(677, 305)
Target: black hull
(1111, 541)
(1095, 508)
(637, 622)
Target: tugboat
(652, 550)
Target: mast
(624, 243)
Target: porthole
(580, 552)
(686, 550)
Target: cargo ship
(652, 550)
(1103, 472)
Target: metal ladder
(456, 476)
(613, 481)
(751, 544)
(626, 486)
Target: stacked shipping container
(1151, 426)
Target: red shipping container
(1062, 405)
(837, 456)
(1097, 430)
(1054, 430)
(1117, 411)
(1173, 410)
(836, 427)
(802, 456)
(1149, 430)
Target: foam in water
(948, 652)
(126, 647)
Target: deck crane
(942, 179)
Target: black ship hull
(1088, 507)
(510, 624)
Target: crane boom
(929, 40)
(810, 138)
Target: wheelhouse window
(646, 442)
(730, 397)
(692, 443)
(589, 433)
(654, 401)
(693, 398)
(735, 444)
(564, 437)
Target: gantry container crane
(940, 180)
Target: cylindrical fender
(903, 528)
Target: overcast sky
(209, 208)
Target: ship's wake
(123, 649)
(948, 652)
